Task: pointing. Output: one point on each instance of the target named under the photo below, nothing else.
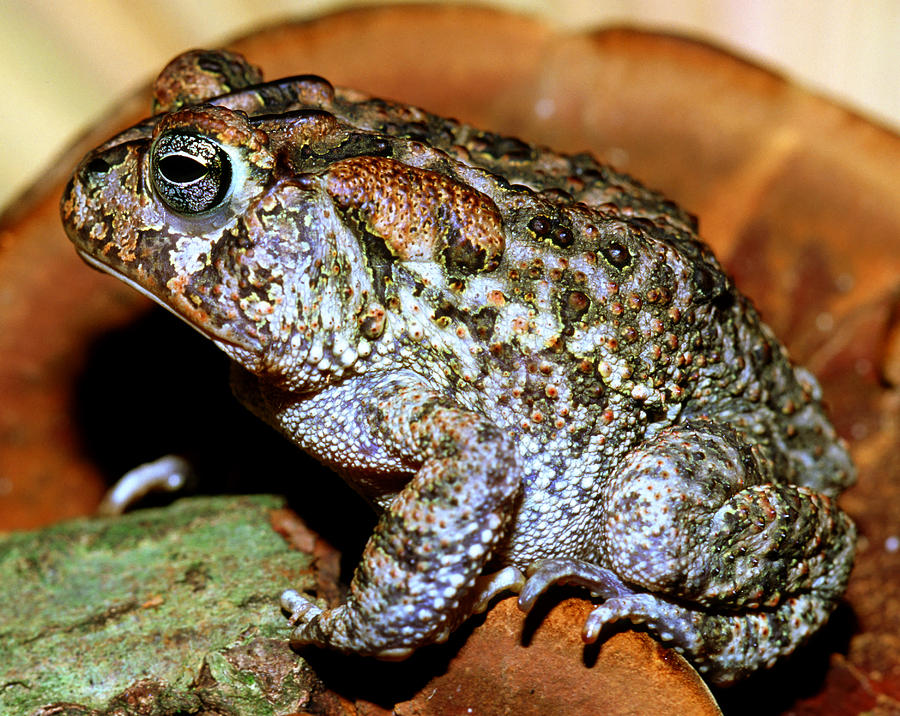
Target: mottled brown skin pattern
(528, 363)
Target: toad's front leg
(414, 583)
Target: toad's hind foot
(169, 473)
(621, 601)
(488, 586)
(546, 572)
(724, 647)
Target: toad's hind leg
(702, 543)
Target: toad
(528, 363)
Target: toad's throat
(221, 334)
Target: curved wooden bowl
(799, 197)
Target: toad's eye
(191, 174)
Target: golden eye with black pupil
(191, 174)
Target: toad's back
(575, 304)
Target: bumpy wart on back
(529, 364)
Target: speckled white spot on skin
(315, 353)
(339, 345)
(640, 392)
(191, 254)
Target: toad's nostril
(97, 165)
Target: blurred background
(64, 64)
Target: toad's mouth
(236, 343)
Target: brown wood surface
(799, 198)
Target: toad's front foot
(339, 628)
(300, 609)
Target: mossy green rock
(161, 611)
